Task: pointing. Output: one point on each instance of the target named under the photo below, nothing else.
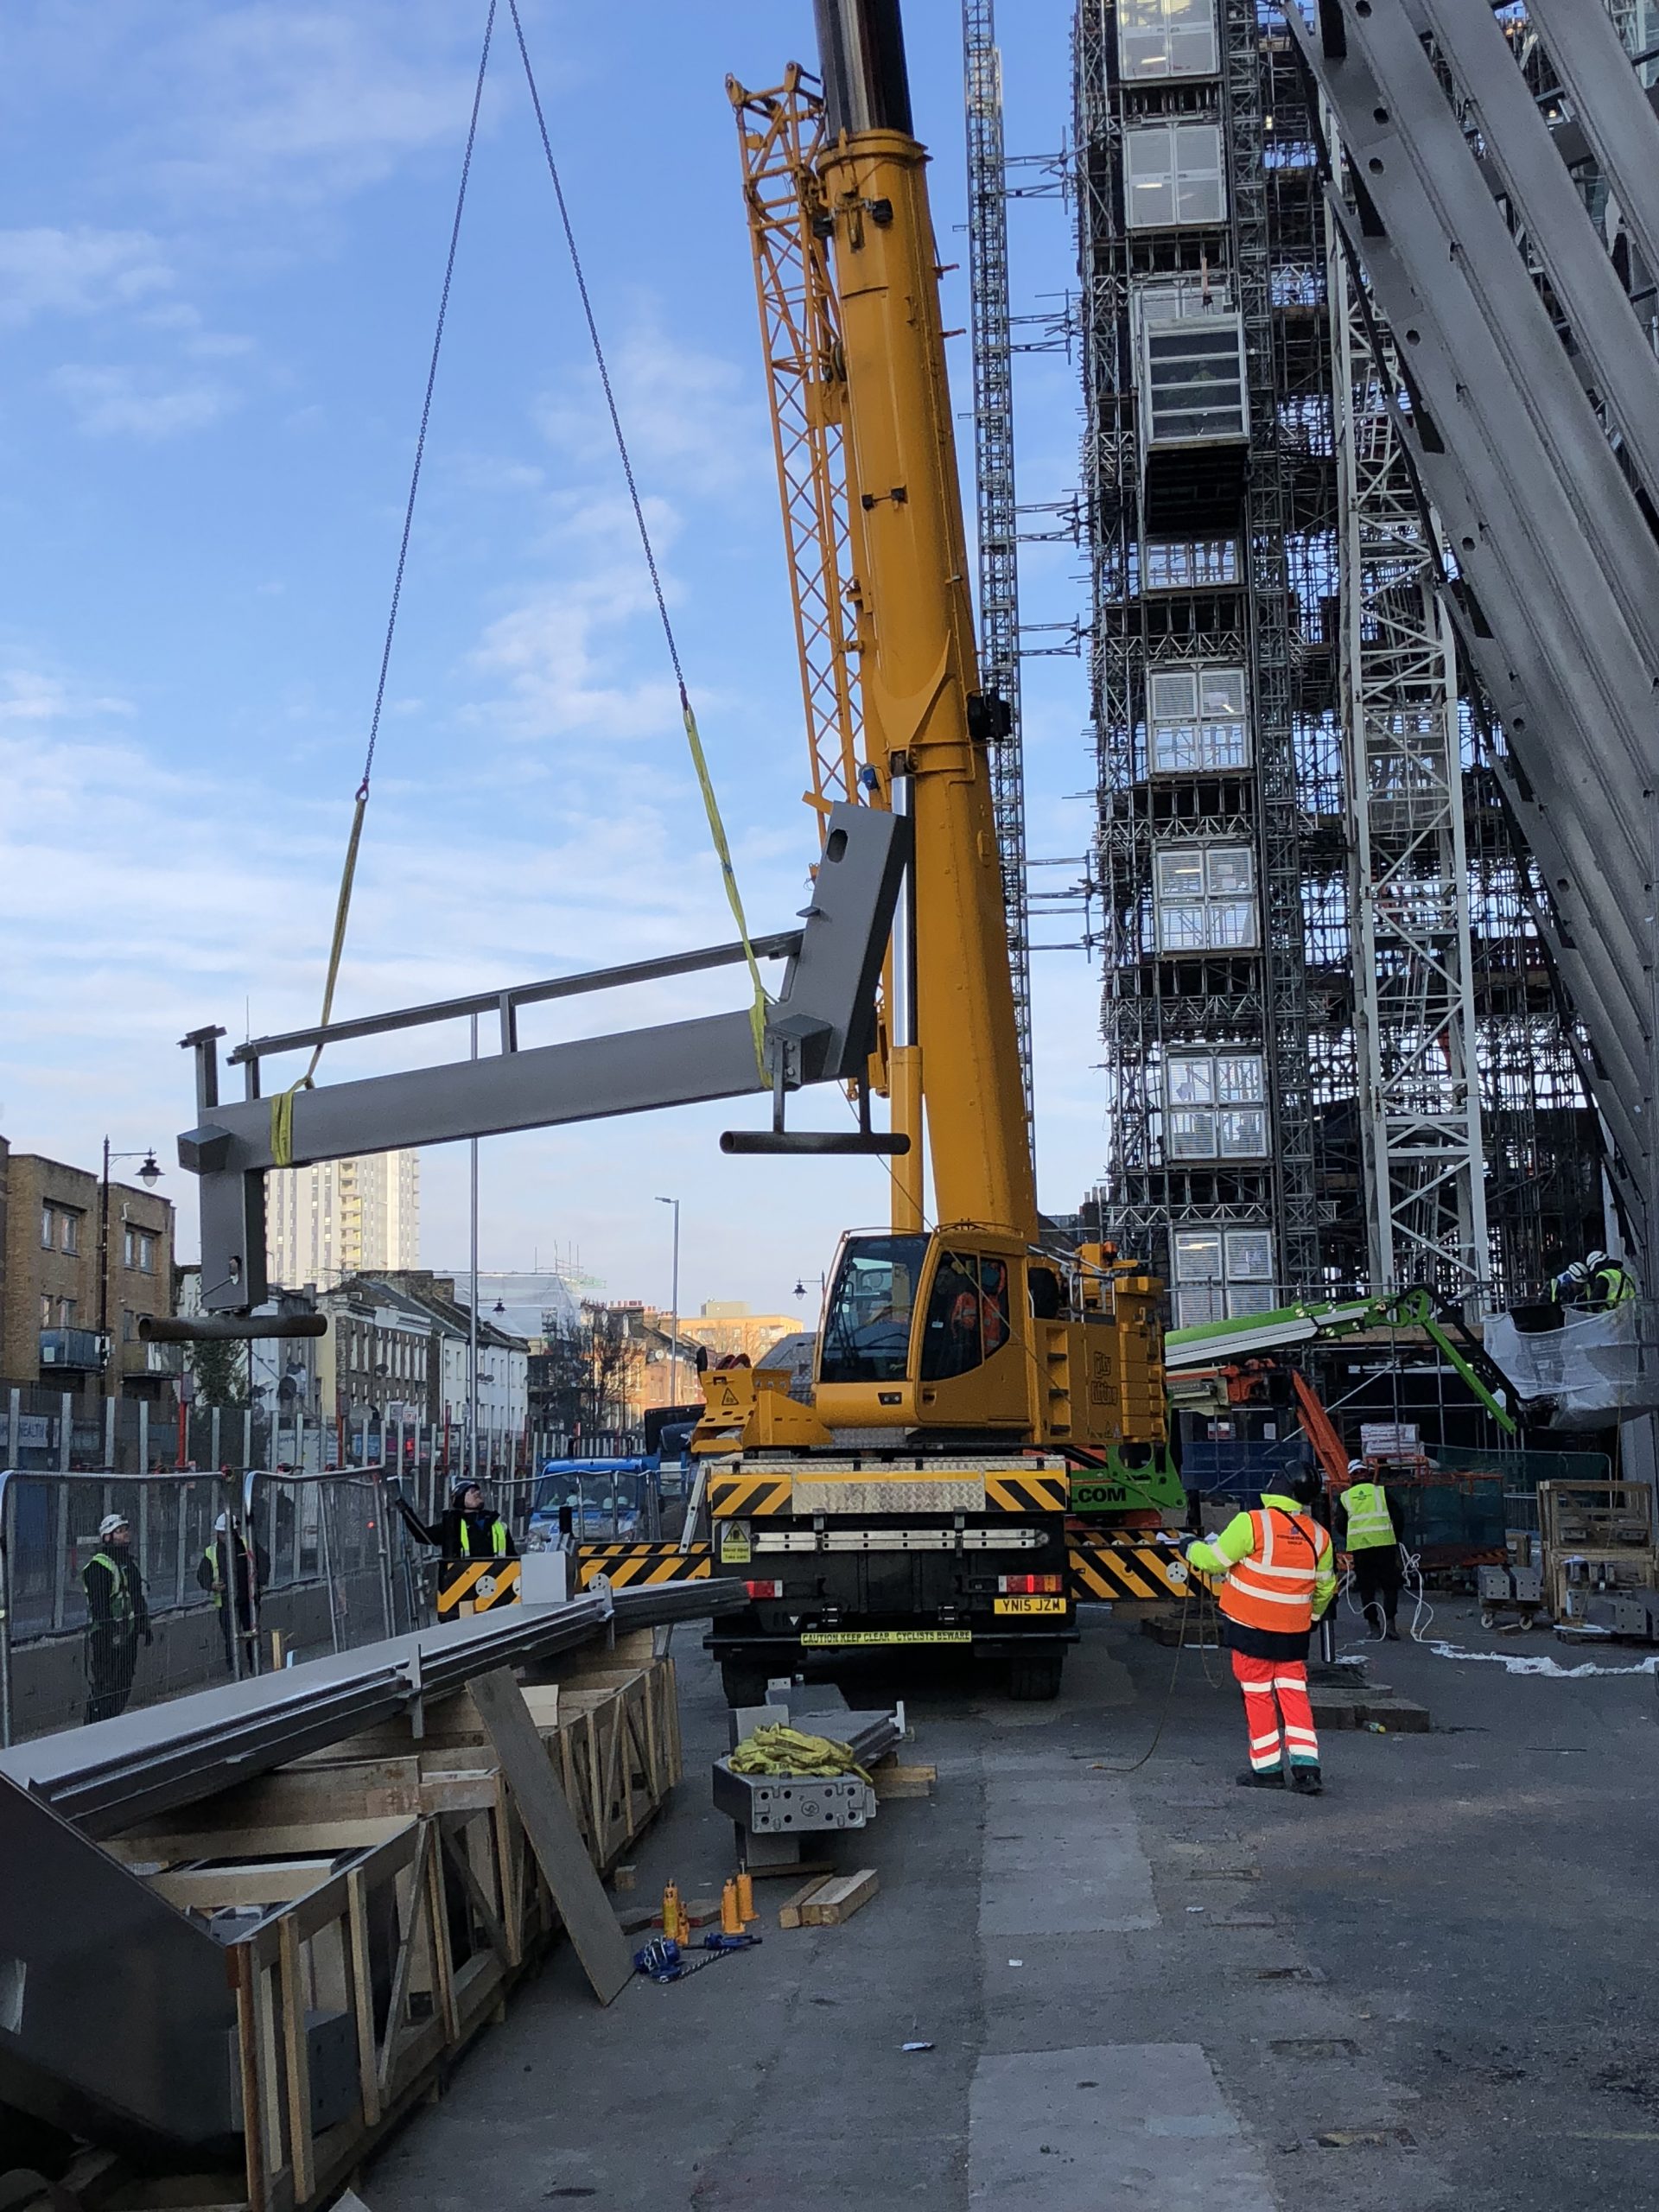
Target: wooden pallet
(403, 1895)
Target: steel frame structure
(995, 508)
(1414, 1006)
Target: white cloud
(148, 403)
(295, 104)
(28, 696)
(683, 409)
(553, 654)
(81, 271)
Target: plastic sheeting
(1596, 1368)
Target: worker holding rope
(1279, 1578)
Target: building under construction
(1335, 1054)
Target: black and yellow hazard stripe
(733, 1494)
(1037, 1491)
(636, 1565)
(480, 1584)
(1125, 1566)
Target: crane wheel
(1035, 1682)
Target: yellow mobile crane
(960, 1370)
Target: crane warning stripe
(1102, 1569)
(638, 1564)
(734, 1494)
(479, 1582)
(1033, 1493)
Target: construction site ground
(1430, 1987)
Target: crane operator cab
(967, 1332)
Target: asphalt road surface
(1432, 1986)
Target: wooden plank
(297, 2065)
(897, 1781)
(789, 1913)
(310, 1837)
(840, 1899)
(205, 1888)
(398, 2004)
(357, 1924)
(554, 1837)
(247, 2043)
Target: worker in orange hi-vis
(1279, 1572)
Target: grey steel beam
(820, 1029)
(1529, 658)
(1583, 278)
(1410, 154)
(1610, 107)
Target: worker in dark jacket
(117, 1616)
(467, 1528)
(213, 1572)
(472, 1529)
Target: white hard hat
(1594, 1260)
(1355, 1466)
(223, 1522)
(111, 1523)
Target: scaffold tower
(994, 481)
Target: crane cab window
(967, 1315)
(868, 1316)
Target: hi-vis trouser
(1275, 1690)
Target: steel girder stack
(1533, 422)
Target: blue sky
(225, 223)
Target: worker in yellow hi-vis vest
(1372, 1542)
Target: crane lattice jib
(780, 133)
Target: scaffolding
(994, 481)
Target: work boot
(1392, 1635)
(1305, 1781)
(1270, 1777)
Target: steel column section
(1420, 1104)
(1559, 597)
(996, 512)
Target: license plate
(1028, 1605)
(836, 1638)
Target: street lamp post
(150, 1174)
(674, 1322)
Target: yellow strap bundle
(780, 1749)
(281, 1106)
